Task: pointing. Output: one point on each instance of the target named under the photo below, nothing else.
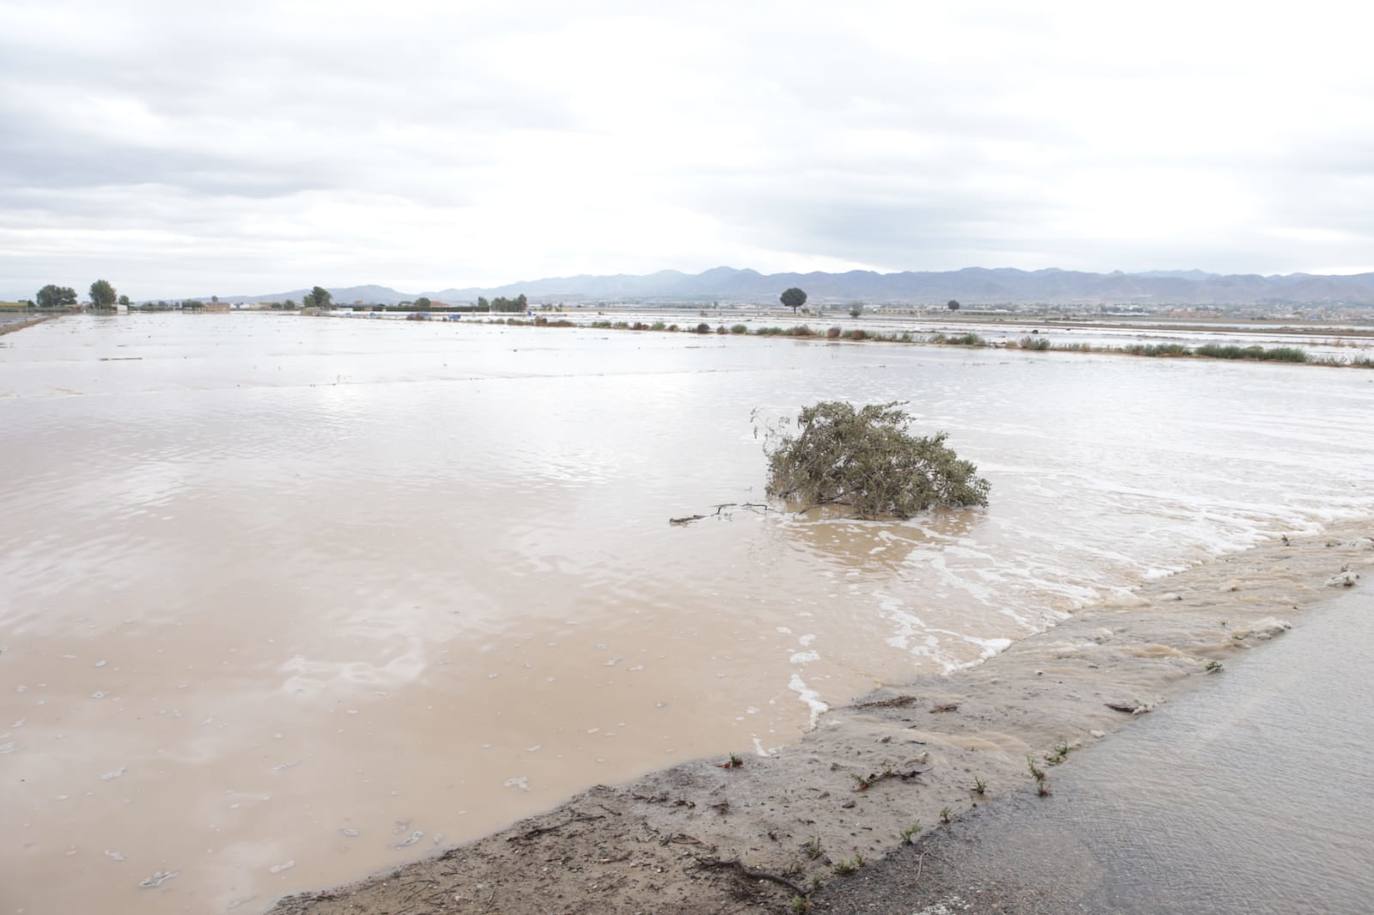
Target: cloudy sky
(185, 147)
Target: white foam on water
(809, 696)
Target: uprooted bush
(865, 458)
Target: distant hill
(971, 286)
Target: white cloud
(187, 148)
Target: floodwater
(1339, 343)
(284, 601)
(1249, 796)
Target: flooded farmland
(286, 601)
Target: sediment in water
(711, 836)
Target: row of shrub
(1219, 351)
(1031, 343)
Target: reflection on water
(320, 595)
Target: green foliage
(865, 458)
(501, 303)
(103, 294)
(423, 303)
(1158, 350)
(959, 340)
(124, 300)
(1272, 354)
(793, 298)
(739, 329)
(856, 309)
(318, 297)
(848, 866)
(51, 296)
(952, 305)
(703, 328)
(1038, 344)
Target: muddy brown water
(284, 601)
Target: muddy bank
(9, 327)
(751, 832)
(1243, 797)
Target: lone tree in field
(952, 305)
(124, 300)
(51, 296)
(865, 458)
(423, 303)
(793, 298)
(856, 309)
(102, 294)
(319, 297)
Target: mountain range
(973, 286)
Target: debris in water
(157, 879)
(113, 774)
(114, 855)
(410, 840)
(284, 866)
(349, 832)
(1130, 707)
(518, 781)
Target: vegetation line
(1253, 353)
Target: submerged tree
(102, 294)
(952, 305)
(51, 296)
(793, 298)
(865, 458)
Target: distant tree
(318, 297)
(501, 303)
(423, 303)
(793, 298)
(215, 299)
(124, 300)
(856, 309)
(483, 304)
(289, 303)
(102, 294)
(51, 296)
(953, 305)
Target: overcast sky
(183, 148)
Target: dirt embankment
(709, 836)
(12, 326)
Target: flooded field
(1335, 342)
(284, 601)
